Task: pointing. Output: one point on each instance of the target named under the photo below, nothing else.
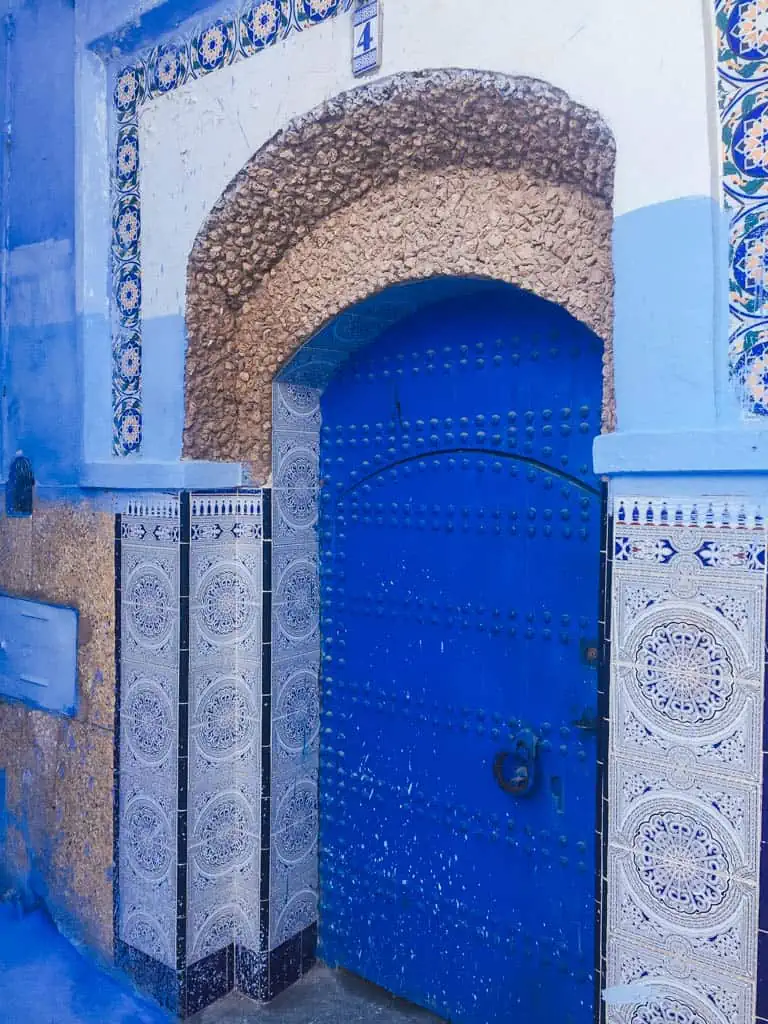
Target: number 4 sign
(366, 37)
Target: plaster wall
(59, 771)
(196, 138)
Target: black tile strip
(231, 960)
(284, 966)
(160, 981)
(116, 738)
(251, 974)
(762, 974)
(183, 746)
(603, 686)
(762, 945)
(266, 607)
(267, 512)
(308, 948)
(765, 681)
(208, 980)
(266, 669)
(266, 729)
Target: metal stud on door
(459, 570)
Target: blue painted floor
(44, 980)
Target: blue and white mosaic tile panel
(685, 764)
(295, 661)
(153, 73)
(149, 672)
(742, 38)
(225, 698)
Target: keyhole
(556, 786)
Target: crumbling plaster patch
(448, 172)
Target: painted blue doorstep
(45, 980)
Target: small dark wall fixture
(19, 488)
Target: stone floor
(45, 980)
(321, 997)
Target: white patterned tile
(149, 604)
(295, 602)
(725, 607)
(291, 914)
(225, 601)
(295, 714)
(225, 711)
(210, 928)
(147, 867)
(717, 925)
(641, 728)
(658, 988)
(295, 407)
(225, 836)
(727, 810)
(149, 721)
(294, 832)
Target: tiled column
(685, 764)
(295, 684)
(147, 889)
(225, 739)
(189, 759)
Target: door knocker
(514, 770)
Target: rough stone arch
(433, 173)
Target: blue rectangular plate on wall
(38, 654)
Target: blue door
(460, 540)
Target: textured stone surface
(449, 172)
(59, 772)
(554, 240)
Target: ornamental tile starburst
(681, 863)
(753, 145)
(751, 29)
(130, 361)
(753, 262)
(756, 378)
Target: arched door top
(443, 172)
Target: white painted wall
(647, 67)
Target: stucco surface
(59, 772)
(440, 172)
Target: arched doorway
(459, 536)
(487, 179)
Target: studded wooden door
(459, 534)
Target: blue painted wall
(676, 409)
(42, 371)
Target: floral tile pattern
(295, 661)
(256, 25)
(685, 765)
(225, 626)
(148, 741)
(742, 39)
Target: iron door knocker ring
(520, 781)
